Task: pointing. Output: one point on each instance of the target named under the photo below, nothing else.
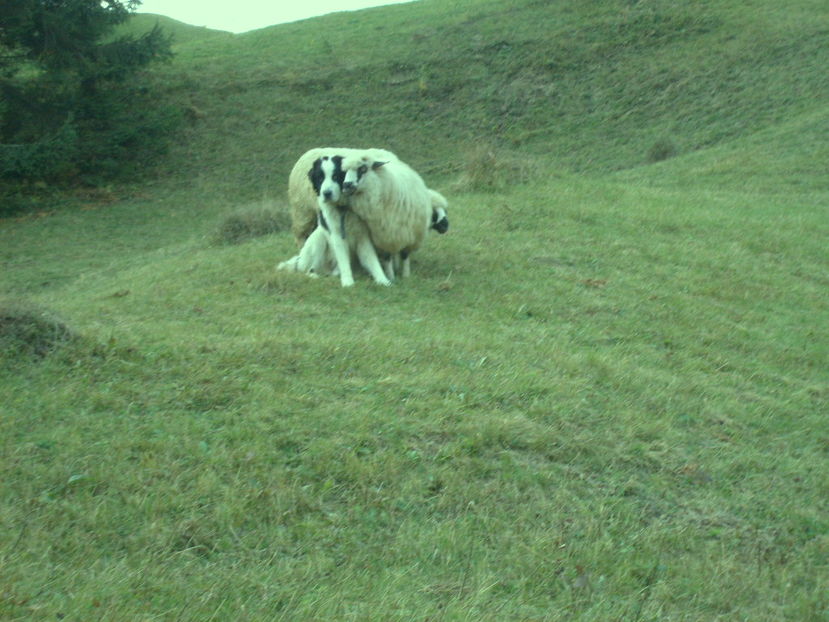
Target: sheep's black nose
(348, 185)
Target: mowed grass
(601, 396)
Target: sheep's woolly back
(392, 200)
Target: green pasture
(601, 396)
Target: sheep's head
(355, 169)
(440, 222)
(327, 177)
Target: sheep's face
(327, 176)
(440, 222)
(355, 170)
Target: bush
(42, 159)
(131, 129)
(75, 100)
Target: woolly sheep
(392, 200)
(314, 194)
(439, 222)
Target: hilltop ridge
(181, 32)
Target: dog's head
(327, 178)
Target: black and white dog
(339, 234)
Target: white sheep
(392, 200)
(316, 198)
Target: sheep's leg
(388, 267)
(337, 242)
(406, 269)
(367, 255)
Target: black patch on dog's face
(339, 174)
(317, 173)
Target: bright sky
(244, 15)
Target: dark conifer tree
(73, 101)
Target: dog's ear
(316, 176)
(339, 173)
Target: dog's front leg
(337, 241)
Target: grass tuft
(30, 332)
(663, 149)
(487, 168)
(251, 222)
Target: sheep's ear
(377, 165)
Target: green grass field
(602, 396)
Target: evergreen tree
(73, 102)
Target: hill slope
(587, 88)
(601, 396)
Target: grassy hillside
(601, 396)
(588, 87)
